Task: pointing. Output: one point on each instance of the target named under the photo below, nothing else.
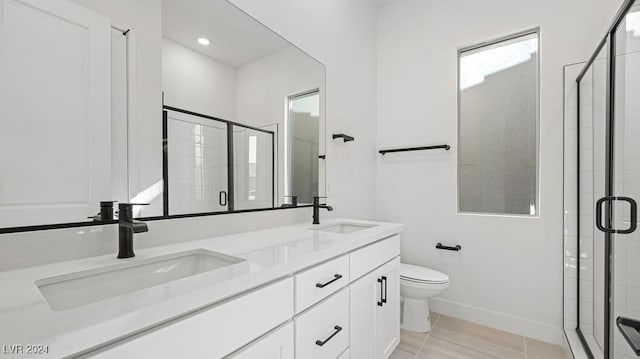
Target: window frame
(460, 51)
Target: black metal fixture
(633, 222)
(455, 248)
(630, 330)
(383, 291)
(337, 329)
(106, 211)
(316, 209)
(346, 138)
(322, 157)
(422, 148)
(335, 278)
(384, 281)
(222, 198)
(127, 226)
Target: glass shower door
(625, 172)
(196, 177)
(592, 181)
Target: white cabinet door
(365, 293)
(375, 313)
(277, 345)
(55, 112)
(388, 315)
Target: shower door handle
(222, 198)
(633, 214)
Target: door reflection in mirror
(303, 144)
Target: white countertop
(26, 317)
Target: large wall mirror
(191, 106)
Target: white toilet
(417, 285)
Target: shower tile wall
(197, 160)
(570, 204)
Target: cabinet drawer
(214, 332)
(370, 257)
(323, 332)
(277, 345)
(319, 282)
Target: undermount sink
(80, 288)
(344, 228)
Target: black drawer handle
(449, 248)
(382, 300)
(337, 329)
(335, 278)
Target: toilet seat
(418, 275)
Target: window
(498, 126)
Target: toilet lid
(422, 274)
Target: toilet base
(415, 315)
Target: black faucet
(316, 209)
(127, 227)
(106, 211)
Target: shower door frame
(230, 165)
(609, 41)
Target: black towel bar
(423, 148)
(456, 248)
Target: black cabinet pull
(222, 195)
(381, 301)
(384, 299)
(337, 329)
(449, 248)
(335, 278)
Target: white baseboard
(509, 323)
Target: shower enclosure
(602, 185)
(211, 165)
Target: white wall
(509, 272)
(195, 82)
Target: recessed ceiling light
(203, 41)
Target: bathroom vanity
(301, 291)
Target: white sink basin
(344, 228)
(80, 288)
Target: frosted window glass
(498, 127)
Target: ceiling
(236, 38)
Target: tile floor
(457, 339)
